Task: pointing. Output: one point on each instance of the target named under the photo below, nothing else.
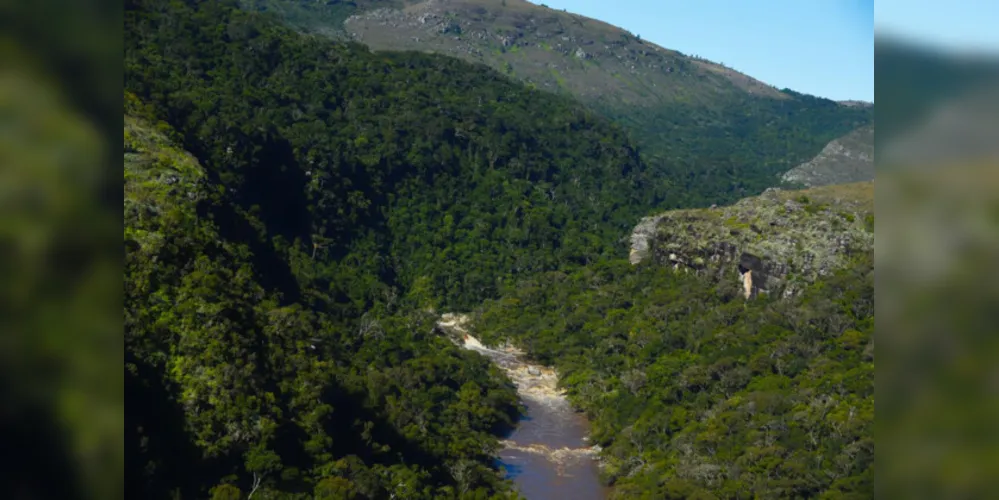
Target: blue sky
(819, 47)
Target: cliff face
(773, 243)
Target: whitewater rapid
(547, 455)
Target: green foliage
(227, 380)
(321, 17)
(921, 78)
(356, 159)
(296, 212)
(869, 222)
(711, 135)
(732, 146)
(699, 394)
(226, 492)
(335, 488)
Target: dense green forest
(402, 167)
(230, 387)
(716, 135)
(299, 211)
(295, 211)
(320, 17)
(696, 393)
(738, 145)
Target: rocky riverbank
(551, 430)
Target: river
(546, 455)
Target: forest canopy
(299, 211)
(296, 210)
(696, 393)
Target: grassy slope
(554, 50)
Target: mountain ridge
(486, 31)
(718, 134)
(844, 160)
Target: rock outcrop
(535, 382)
(773, 243)
(847, 159)
(641, 235)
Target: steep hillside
(847, 159)
(696, 392)
(230, 391)
(404, 166)
(295, 210)
(528, 40)
(551, 49)
(324, 18)
(718, 134)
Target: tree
(335, 488)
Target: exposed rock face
(773, 243)
(847, 159)
(747, 283)
(855, 103)
(640, 237)
(535, 382)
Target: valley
(302, 204)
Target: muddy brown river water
(547, 455)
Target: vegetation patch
(684, 386)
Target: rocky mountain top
(552, 49)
